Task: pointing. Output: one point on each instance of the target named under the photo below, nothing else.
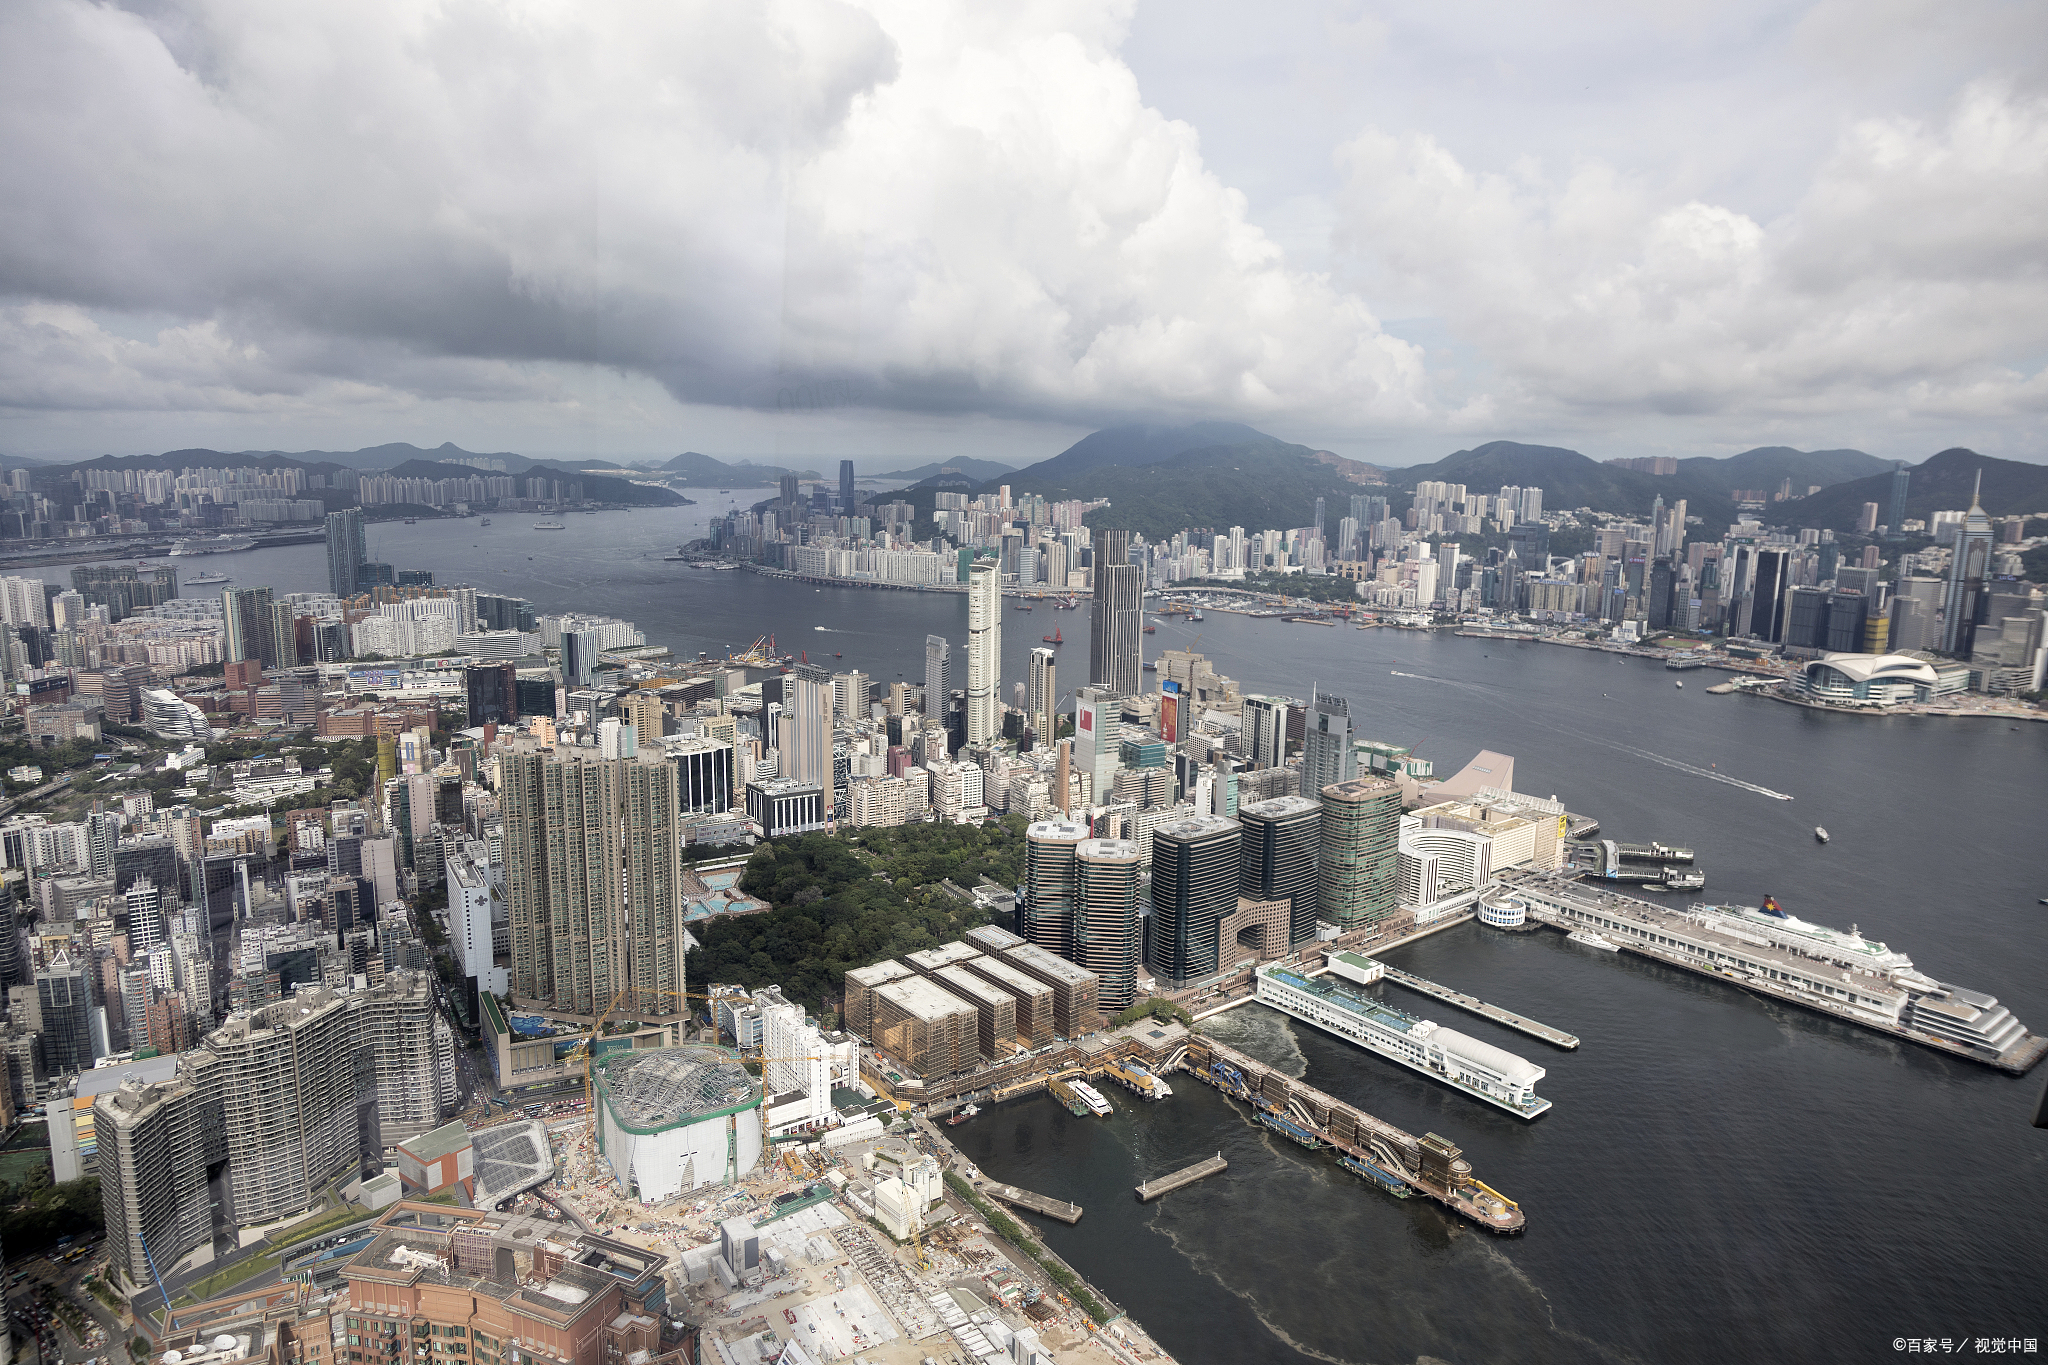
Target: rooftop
(916, 996)
(433, 1145)
(648, 1089)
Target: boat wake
(1712, 774)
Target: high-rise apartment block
(593, 879)
(984, 651)
(274, 1101)
(346, 552)
(1041, 694)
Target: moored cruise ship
(1481, 1070)
(1770, 952)
(212, 545)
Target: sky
(909, 231)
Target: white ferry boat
(1591, 940)
(200, 580)
(212, 545)
(549, 526)
(1481, 1070)
(1091, 1097)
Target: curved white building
(673, 1118)
(1882, 678)
(1504, 912)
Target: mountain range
(701, 471)
(1941, 483)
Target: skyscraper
(1319, 519)
(1901, 477)
(346, 552)
(1046, 916)
(938, 667)
(804, 732)
(593, 878)
(1115, 630)
(846, 493)
(1107, 930)
(984, 651)
(493, 693)
(1277, 859)
(246, 613)
(1098, 737)
(64, 997)
(1265, 730)
(1767, 595)
(1194, 886)
(1041, 693)
(1963, 605)
(1358, 852)
(1326, 753)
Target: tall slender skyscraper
(1194, 886)
(1115, 632)
(1901, 478)
(938, 667)
(1767, 595)
(1963, 605)
(1326, 752)
(1041, 693)
(1107, 931)
(984, 651)
(1358, 854)
(846, 493)
(346, 552)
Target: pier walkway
(1474, 1005)
(1167, 1184)
(1034, 1203)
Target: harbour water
(1721, 1178)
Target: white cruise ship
(1481, 1070)
(212, 545)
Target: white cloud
(1910, 280)
(914, 207)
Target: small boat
(1589, 939)
(412, 521)
(1820, 835)
(1054, 638)
(1194, 616)
(965, 1114)
(1023, 606)
(485, 522)
(1151, 630)
(198, 579)
(1679, 685)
